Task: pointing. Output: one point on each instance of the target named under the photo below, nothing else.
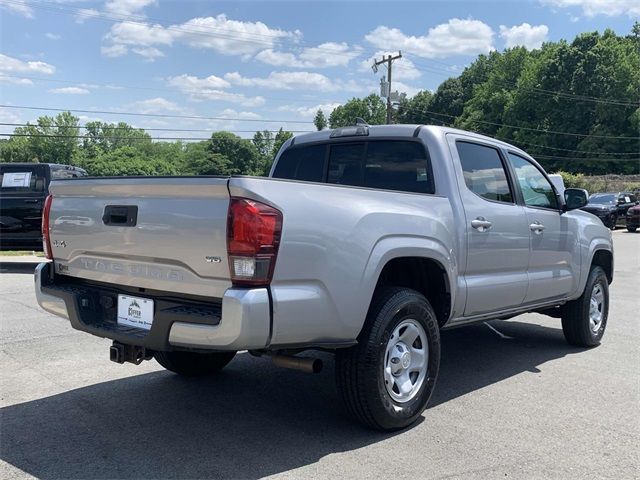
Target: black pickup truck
(23, 188)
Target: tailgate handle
(120, 215)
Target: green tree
(241, 153)
(320, 121)
(127, 161)
(49, 140)
(371, 109)
(414, 110)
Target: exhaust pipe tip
(303, 364)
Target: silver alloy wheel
(406, 360)
(596, 308)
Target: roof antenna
(361, 123)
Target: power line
(109, 127)
(552, 132)
(107, 137)
(155, 115)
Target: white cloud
(293, 81)
(404, 88)
(70, 91)
(190, 83)
(591, 8)
(149, 53)
(524, 35)
(127, 7)
(114, 50)
(231, 113)
(140, 34)
(52, 36)
(328, 54)
(85, 14)
(456, 37)
(310, 112)
(157, 105)
(220, 34)
(15, 81)
(10, 65)
(211, 88)
(21, 8)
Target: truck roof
(404, 130)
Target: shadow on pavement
(250, 421)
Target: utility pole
(388, 60)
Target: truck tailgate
(166, 234)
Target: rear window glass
(304, 163)
(384, 164)
(21, 180)
(345, 164)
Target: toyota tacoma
(364, 241)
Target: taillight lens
(253, 237)
(46, 240)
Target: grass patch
(21, 253)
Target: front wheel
(631, 229)
(613, 220)
(386, 380)
(585, 319)
(192, 364)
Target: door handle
(536, 227)
(481, 224)
(32, 201)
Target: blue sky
(259, 61)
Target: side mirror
(575, 198)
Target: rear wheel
(585, 319)
(631, 229)
(191, 364)
(387, 379)
(613, 220)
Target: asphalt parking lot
(512, 401)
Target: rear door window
(484, 172)
(398, 165)
(21, 180)
(302, 163)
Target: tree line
(572, 105)
(120, 149)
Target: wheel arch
(603, 258)
(424, 275)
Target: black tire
(191, 364)
(360, 369)
(613, 220)
(631, 229)
(576, 325)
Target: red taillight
(46, 240)
(253, 237)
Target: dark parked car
(633, 218)
(605, 207)
(609, 207)
(23, 188)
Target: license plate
(135, 312)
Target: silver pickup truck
(364, 241)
